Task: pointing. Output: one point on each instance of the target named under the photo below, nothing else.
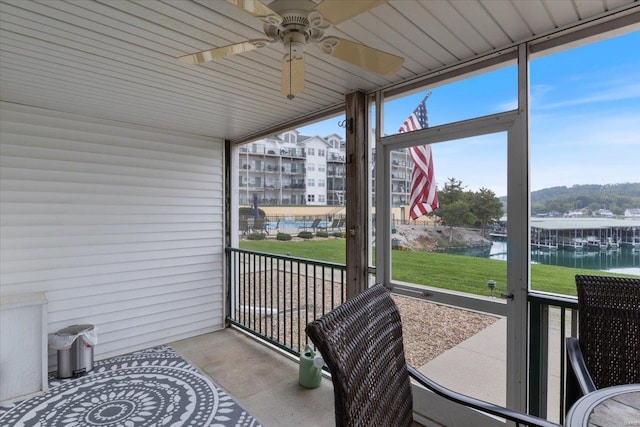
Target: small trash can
(75, 350)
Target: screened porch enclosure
(536, 322)
(120, 199)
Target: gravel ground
(429, 329)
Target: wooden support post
(357, 193)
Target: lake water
(624, 260)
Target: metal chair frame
(361, 343)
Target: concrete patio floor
(265, 382)
(480, 366)
(261, 379)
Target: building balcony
(291, 152)
(292, 186)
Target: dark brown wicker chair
(607, 350)
(361, 342)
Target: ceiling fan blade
(337, 11)
(292, 76)
(220, 52)
(363, 56)
(257, 9)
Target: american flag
(424, 198)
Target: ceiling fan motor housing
(296, 29)
(294, 32)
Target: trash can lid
(74, 330)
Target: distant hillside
(592, 197)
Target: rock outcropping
(436, 238)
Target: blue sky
(584, 128)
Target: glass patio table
(617, 406)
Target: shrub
(322, 234)
(245, 211)
(338, 234)
(283, 236)
(256, 236)
(305, 235)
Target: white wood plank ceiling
(116, 59)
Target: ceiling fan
(298, 23)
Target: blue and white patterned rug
(154, 387)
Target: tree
(467, 208)
(456, 214)
(486, 207)
(452, 191)
(454, 210)
(615, 197)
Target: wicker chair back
(361, 342)
(609, 328)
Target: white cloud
(618, 92)
(596, 128)
(601, 147)
(507, 105)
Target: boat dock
(580, 234)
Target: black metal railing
(275, 296)
(552, 317)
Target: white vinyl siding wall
(120, 226)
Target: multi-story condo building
(294, 169)
(336, 170)
(401, 167)
(274, 170)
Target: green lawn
(330, 250)
(455, 272)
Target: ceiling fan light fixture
(292, 74)
(294, 43)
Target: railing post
(538, 358)
(229, 296)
